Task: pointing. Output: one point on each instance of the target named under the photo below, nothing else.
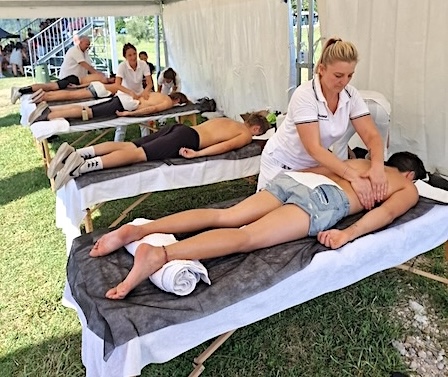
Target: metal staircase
(50, 45)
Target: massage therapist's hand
(333, 238)
(188, 153)
(123, 113)
(363, 190)
(377, 177)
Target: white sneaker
(15, 94)
(58, 161)
(69, 171)
(40, 108)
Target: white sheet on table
(72, 203)
(431, 192)
(328, 271)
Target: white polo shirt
(308, 105)
(133, 79)
(168, 87)
(70, 65)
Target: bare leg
(123, 157)
(245, 212)
(67, 95)
(283, 224)
(112, 146)
(93, 77)
(45, 87)
(68, 112)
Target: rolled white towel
(180, 276)
(177, 276)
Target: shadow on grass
(10, 120)
(22, 184)
(53, 357)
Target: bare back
(218, 130)
(396, 182)
(156, 99)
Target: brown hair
(336, 50)
(170, 74)
(182, 98)
(127, 47)
(256, 119)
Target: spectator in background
(1, 62)
(168, 81)
(16, 59)
(144, 56)
(77, 60)
(30, 33)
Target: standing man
(77, 61)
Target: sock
(91, 165)
(86, 152)
(26, 90)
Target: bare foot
(114, 240)
(148, 259)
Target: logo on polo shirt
(322, 117)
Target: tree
(120, 24)
(141, 28)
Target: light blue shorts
(326, 204)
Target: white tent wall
(75, 8)
(237, 52)
(403, 54)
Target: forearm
(144, 111)
(211, 151)
(326, 158)
(371, 221)
(376, 147)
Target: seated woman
(289, 208)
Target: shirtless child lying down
(210, 138)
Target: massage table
(80, 197)
(43, 130)
(118, 340)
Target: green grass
(344, 333)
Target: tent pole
(310, 39)
(299, 39)
(113, 44)
(157, 34)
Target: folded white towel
(431, 192)
(44, 129)
(177, 276)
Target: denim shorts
(326, 204)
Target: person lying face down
(69, 82)
(116, 106)
(286, 210)
(94, 90)
(212, 137)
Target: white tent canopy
(75, 8)
(403, 54)
(237, 52)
